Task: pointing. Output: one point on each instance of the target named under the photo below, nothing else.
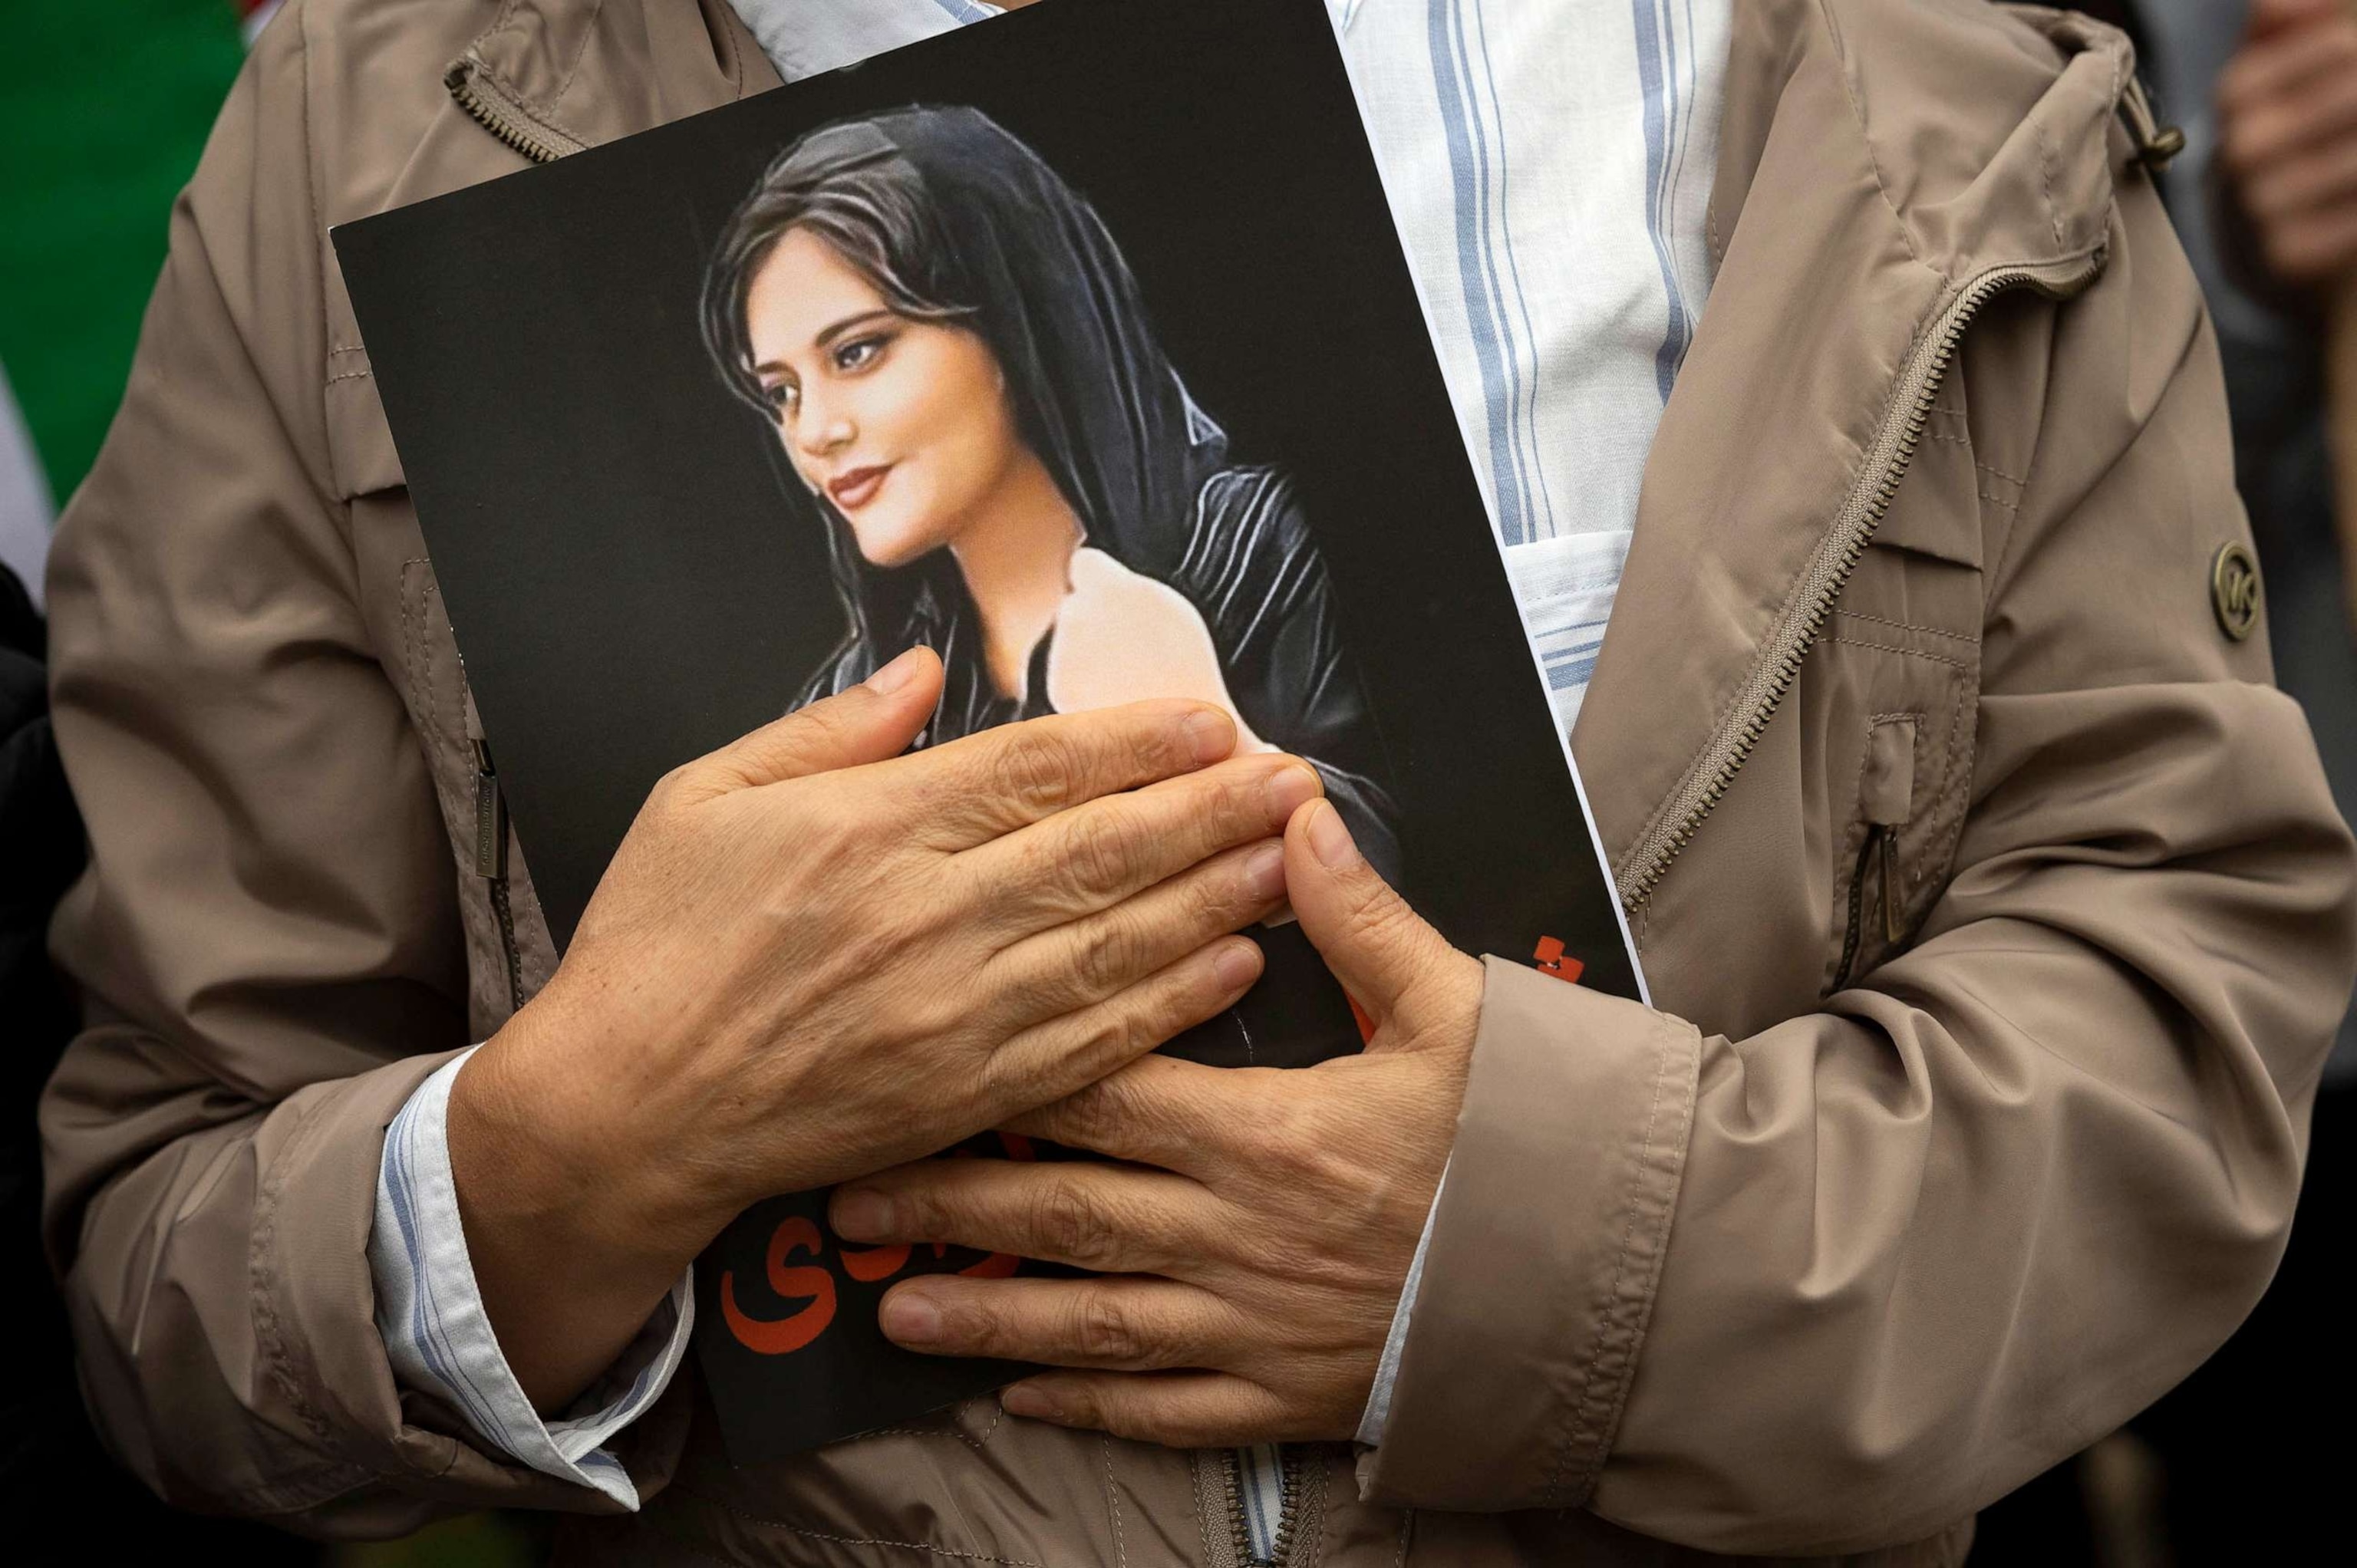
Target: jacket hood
(1985, 128)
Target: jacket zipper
(1882, 836)
(477, 91)
(491, 850)
(1240, 1527)
(1887, 460)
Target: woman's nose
(821, 429)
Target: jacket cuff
(1546, 1245)
(431, 1315)
(314, 1304)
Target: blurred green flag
(103, 108)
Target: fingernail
(1237, 966)
(1330, 841)
(895, 675)
(1288, 788)
(861, 1214)
(1265, 871)
(1026, 1399)
(1210, 734)
(908, 1318)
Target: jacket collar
(591, 74)
(597, 72)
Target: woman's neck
(1016, 558)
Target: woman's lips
(858, 488)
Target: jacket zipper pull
(1886, 803)
(1889, 836)
(2156, 144)
(490, 806)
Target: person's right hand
(813, 958)
(2288, 135)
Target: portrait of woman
(955, 359)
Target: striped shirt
(1549, 165)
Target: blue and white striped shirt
(1549, 165)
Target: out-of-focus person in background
(2265, 200)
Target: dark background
(604, 520)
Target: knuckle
(1119, 1034)
(1072, 1226)
(973, 1328)
(1091, 1113)
(1096, 852)
(1214, 904)
(1169, 1008)
(817, 725)
(1107, 955)
(920, 1212)
(1244, 800)
(1154, 750)
(1036, 768)
(1103, 1329)
(665, 794)
(1000, 1083)
(1172, 1428)
(1012, 1003)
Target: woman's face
(904, 424)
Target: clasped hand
(813, 956)
(1252, 1239)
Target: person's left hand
(1251, 1254)
(2288, 135)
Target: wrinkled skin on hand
(1253, 1239)
(813, 956)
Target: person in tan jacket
(1996, 914)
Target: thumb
(1377, 947)
(871, 722)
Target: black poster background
(604, 518)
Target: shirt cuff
(1378, 1413)
(440, 1339)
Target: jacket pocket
(1900, 714)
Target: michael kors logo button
(2234, 590)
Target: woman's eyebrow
(830, 334)
(826, 335)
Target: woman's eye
(783, 396)
(858, 353)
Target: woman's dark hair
(844, 185)
(952, 218)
